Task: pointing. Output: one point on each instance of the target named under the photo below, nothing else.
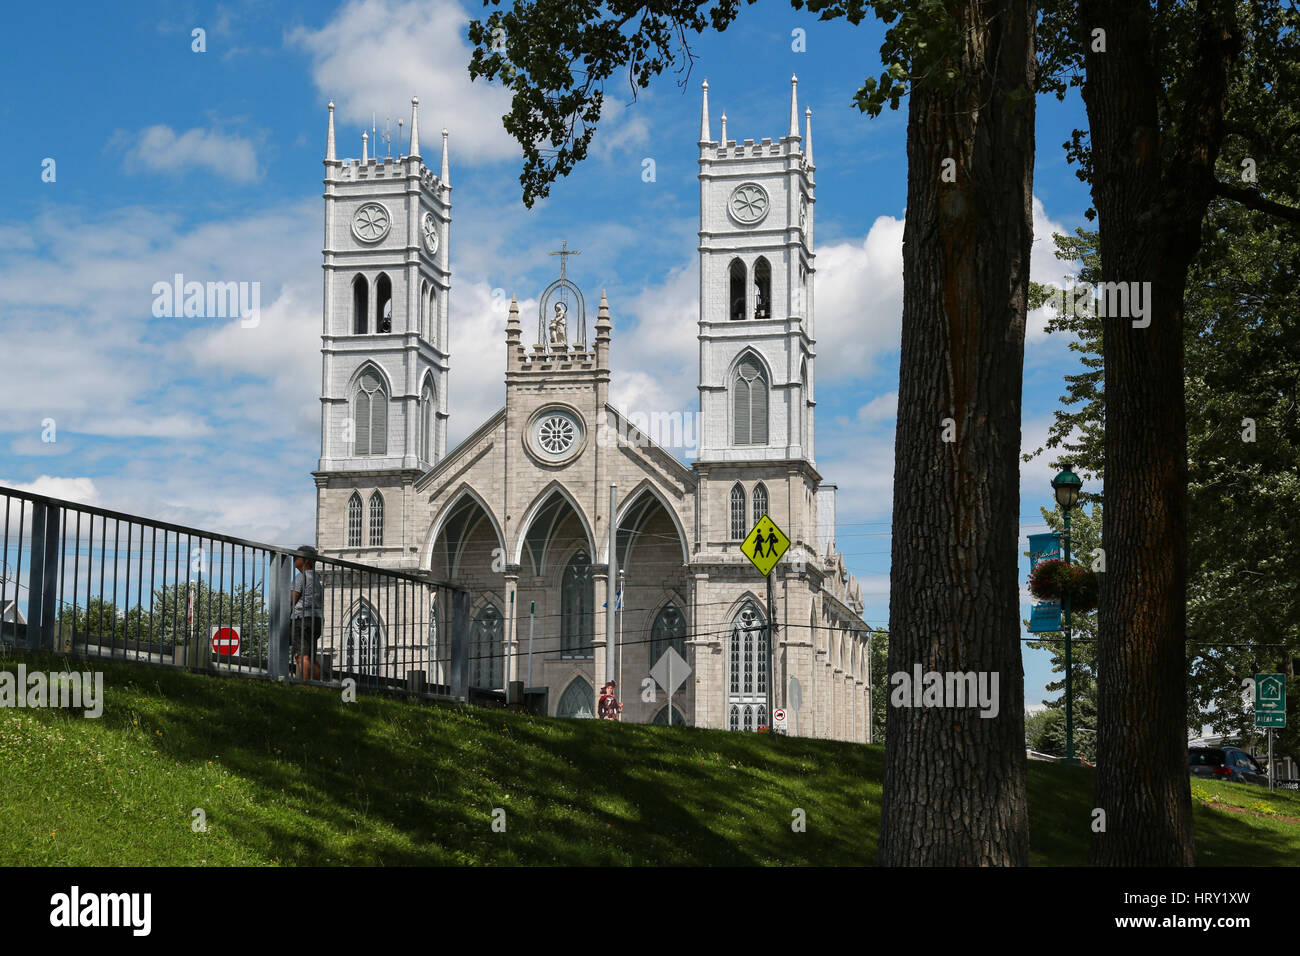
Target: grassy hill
(293, 776)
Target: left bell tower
(384, 342)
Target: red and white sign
(779, 715)
(225, 640)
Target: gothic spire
(807, 139)
(704, 116)
(365, 146)
(794, 106)
(446, 175)
(329, 139)
(415, 127)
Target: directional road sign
(1270, 700)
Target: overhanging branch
(1253, 200)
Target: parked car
(1226, 763)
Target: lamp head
(1067, 486)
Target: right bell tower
(756, 293)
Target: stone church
(519, 513)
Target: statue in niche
(560, 326)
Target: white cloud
(1044, 267)
(160, 149)
(81, 490)
(882, 408)
(374, 55)
(859, 301)
(655, 371)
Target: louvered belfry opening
(749, 404)
(360, 306)
(370, 408)
(384, 303)
(737, 291)
(762, 289)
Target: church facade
(520, 512)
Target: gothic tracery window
(354, 520)
(747, 680)
(576, 701)
(362, 643)
(487, 650)
(738, 529)
(669, 630)
(376, 520)
(760, 501)
(577, 597)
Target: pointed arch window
(424, 308)
(760, 501)
(354, 520)
(360, 305)
(577, 597)
(427, 420)
(747, 680)
(487, 654)
(376, 520)
(577, 700)
(431, 313)
(762, 289)
(384, 303)
(749, 404)
(363, 643)
(669, 630)
(736, 289)
(806, 418)
(661, 718)
(738, 529)
(370, 412)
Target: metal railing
(91, 582)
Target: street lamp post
(1067, 485)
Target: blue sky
(209, 164)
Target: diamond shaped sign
(764, 545)
(671, 671)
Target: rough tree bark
(1150, 192)
(954, 791)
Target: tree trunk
(954, 791)
(1150, 197)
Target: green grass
(293, 776)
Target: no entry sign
(225, 640)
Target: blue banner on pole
(1045, 615)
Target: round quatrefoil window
(371, 222)
(748, 204)
(556, 434)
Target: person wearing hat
(610, 707)
(308, 617)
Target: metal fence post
(43, 577)
(459, 644)
(279, 584)
(35, 575)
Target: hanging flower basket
(1054, 579)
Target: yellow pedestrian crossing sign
(765, 544)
